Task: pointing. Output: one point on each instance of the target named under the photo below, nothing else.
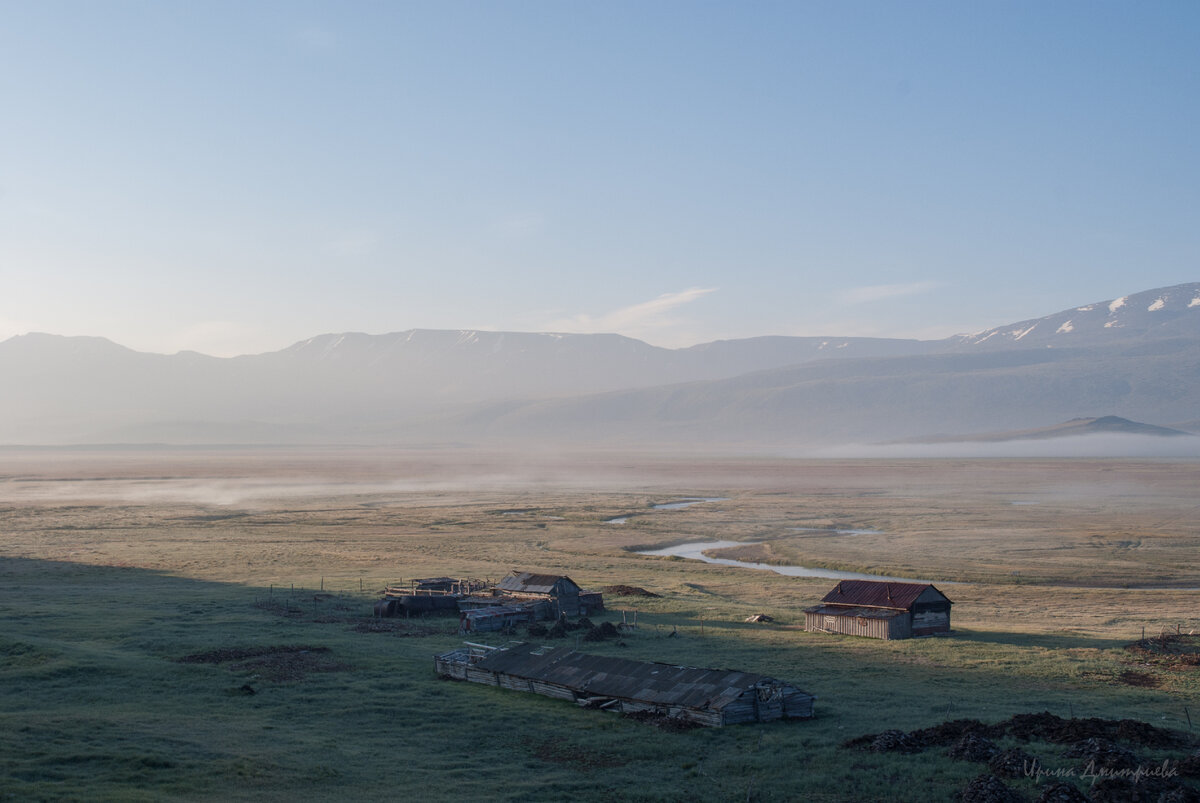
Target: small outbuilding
(712, 697)
(565, 594)
(881, 609)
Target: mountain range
(1137, 357)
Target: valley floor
(116, 564)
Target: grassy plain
(116, 564)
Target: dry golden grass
(94, 696)
(1052, 545)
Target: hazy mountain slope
(1134, 357)
(64, 389)
(879, 399)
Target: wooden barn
(568, 598)
(881, 609)
(713, 697)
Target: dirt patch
(395, 628)
(1050, 728)
(1131, 677)
(575, 756)
(1012, 763)
(973, 747)
(988, 789)
(1190, 766)
(1169, 650)
(662, 721)
(1103, 754)
(945, 733)
(1062, 793)
(278, 663)
(628, 591)
(1044, 727)
(1147, 790)
(1093, 744)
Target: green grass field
(113, 568)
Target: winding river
(695, 551)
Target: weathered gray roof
(603, 676)
(530, 583)
(878, 593)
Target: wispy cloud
(882, 292)
(652, 319)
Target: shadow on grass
(1048, 640)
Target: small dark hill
(1108, 424)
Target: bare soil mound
(574, 756)
(1102, 753)
(1043, 726)
(662, 721)
(1062, 793)
(988, 789)
(1169, 650)
(394, 627)
(628, 591)
(973, 747)
(1012, 763)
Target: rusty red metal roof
(878, 594)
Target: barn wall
(926, 623)
(894, 627)
(797, 704)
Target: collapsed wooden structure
(520, 598)
(881, 609)
(712, 697)
(561, 591)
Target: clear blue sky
(232, 177)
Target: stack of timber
(432, 595)
(712, 697)
(509, 602)
(503, 617)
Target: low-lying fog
(1114, 445)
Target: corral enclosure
(118, 564)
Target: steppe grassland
(119, 563)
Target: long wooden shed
(881, 609)
(713, 697)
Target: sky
(233, 177)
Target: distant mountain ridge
(1165, 312)
(1137, 357)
